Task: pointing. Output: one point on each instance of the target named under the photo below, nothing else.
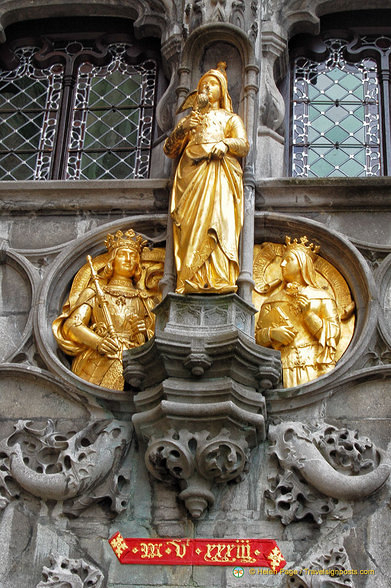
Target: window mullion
(386, 114)
(63, 130)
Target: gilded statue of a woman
(107, 312)
(301, 317)
(207, 195)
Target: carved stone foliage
(287, 12)
(290, 498)
(377, 355)
(334, 564)
(237, 12)
(77, 468)
(70, 573)
(346, 451)
(318, 468)
(195, 461)
(372, 256)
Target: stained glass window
(336, 115)
(77, 110)
(112, 119)
(29, 103)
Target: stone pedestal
(200, 407)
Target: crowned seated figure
(300, 318)
(106, 312)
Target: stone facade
(72, 456)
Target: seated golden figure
(207, 195)
(108, 311)
(302, 318)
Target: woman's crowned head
(304, 253)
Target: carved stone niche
(200, 408)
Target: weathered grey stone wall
(48, 415)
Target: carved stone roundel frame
(30, 277)
(56, 285)
(340, 252)
(383, 279)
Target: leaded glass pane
(111, 129)
(29, 103)
(336, 128)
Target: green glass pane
(320, 122)
(102, 94)
(336, 157)
(357, 153)
(317, 91)
(326, 162)
(336, 92)
(337, 135)
(17, 166)
(323, 82)
(317, 138)
(313, 92)
(115, 89)
(355, 128)
(357, 94)
(23, 93)
(336, 113)
(18, 130)
(110, 129)
(353, 167)
(107, 165)
(353, 83)
(336, 74)
(319, 167)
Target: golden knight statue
(207, 195)
(109, 309)
(306, 310)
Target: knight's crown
(303, 245)
(129, 239)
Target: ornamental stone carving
(317, 469)
(200, 405)
(70, 573)
(77, 468)
(196, 461)
(335, 566)
(236, 12)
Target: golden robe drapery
(312, 352)
(207, 202)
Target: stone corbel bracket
(326, 464)
(200, 407)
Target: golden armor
(207, 195)
(109, 308)
(306, 310)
